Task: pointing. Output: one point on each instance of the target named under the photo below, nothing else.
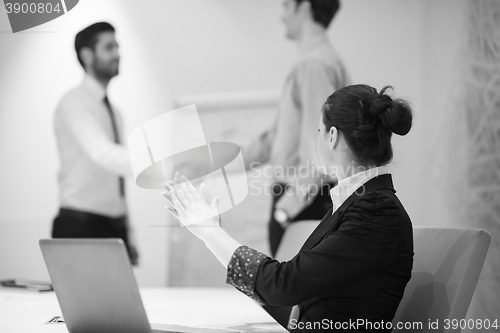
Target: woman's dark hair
(367, 119)
(323, 10)
(88, 37)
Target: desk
(23, 311)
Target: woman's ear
(333, 137)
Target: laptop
(96, 289)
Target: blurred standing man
(89, 135)
(291, 142)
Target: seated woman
(351, 273)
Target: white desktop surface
(23, 311)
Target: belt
(81, 215)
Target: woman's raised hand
(195, 209)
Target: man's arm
(312, 87)
(315, 83)
(258, 151)
(92, 137)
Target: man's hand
(293, 202)
(133, 254)
(131, 248)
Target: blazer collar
(383, 182)
(347, 186)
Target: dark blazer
(354, 266)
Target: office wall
(179, 47)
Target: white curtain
(473, 145)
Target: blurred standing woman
(351, 273)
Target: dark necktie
(117, 140)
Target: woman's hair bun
(367, 118)
(395, 114)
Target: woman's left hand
(195, 209)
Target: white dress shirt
(91, 162)
(349, 185)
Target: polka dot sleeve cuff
(242, 270)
